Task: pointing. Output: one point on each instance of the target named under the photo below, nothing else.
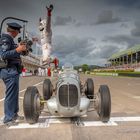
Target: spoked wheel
(89, 88)
(47, 89)
(31, 105)
(104, 103)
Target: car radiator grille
(68, 95)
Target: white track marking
(99, 123)
(46, 123)
(26, 125)
(59, 120)
(124, 119)
(64, 120)
(38, 83)
(23, 91)
(56, 119)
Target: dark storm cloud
(61, 21)
(18, 7)
(79, 24)
(29, 10)
(79, 51)
(136, 30)
(107, 51)
(68, 15)
(107, 17)
(68, 45)
(104, 52)
(123, 39)
(72, 47)
(124, 25)
(124, 3)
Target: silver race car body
(68, 101)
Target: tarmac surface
(123, 125)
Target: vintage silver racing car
(69, 98)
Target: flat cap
(14, 26)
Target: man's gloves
(21, 47)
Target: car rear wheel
(104, 103)
(89, 88)
(31, 105)
(47, 89)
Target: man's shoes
(11, 123)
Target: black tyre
(31, 105)
(104, 107)
(89, 88)
(47, 89)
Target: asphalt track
(123, 125)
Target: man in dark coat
(10, 52)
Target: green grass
(122, 73)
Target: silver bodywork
(68, 100)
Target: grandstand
(128, 59)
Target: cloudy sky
(84, 31)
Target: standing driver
(10, 52)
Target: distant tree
(85, 67)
